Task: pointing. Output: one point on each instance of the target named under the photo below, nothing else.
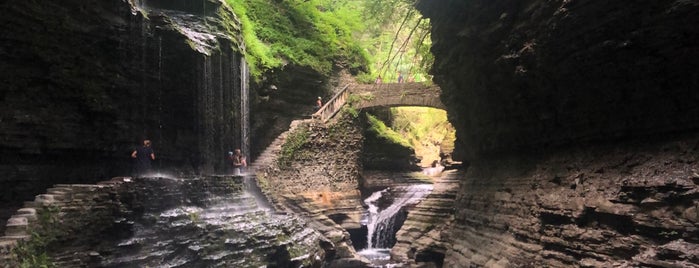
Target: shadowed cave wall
(85, 81)
(579, 121)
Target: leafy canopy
(312, 33)
(377, 37)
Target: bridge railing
(333, 105)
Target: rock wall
(320, 181)
(579, 120)
(287, 94)
(85, 81)
(526, 74)
(630, 205)
(206, 221)
(423, 239)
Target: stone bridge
(386, 95)
(396, 94)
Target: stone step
(28, 213)
(45, 199)
(16, 226)
(16, 237)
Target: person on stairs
(319, 103)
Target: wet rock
(113, 73)
(151, 221)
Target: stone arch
(397, 94)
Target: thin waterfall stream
(383, 221)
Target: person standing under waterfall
(143, 157)
(237, 161)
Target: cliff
(85, 81)
(579, 121)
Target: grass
(32, 253)
(380, 129)
(294, 142)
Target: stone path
(66, 198)
(269, 156)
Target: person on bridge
(378, 80)
(319, 103)
(143, 157)
(400, 77)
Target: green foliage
(294, 142)
(32, 253)
(373, 37)
(311, 33)
(354, 99)
(351, 111)
(380, 129)
(256, 52)
(397, 37)
(365, 78)
(428, 130)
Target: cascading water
(204, 222)
(219, 92)
(382, 224)
(244, 109)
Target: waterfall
(244, 109)
(382, 225)
(202, 222)
(253, 190)
(218, 87)
(160, 95)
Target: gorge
(576, 122)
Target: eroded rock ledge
(204, 221)
(631, 205)
(319, 180)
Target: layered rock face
(632, 205)
(192, 222)
(569, 112)
(85, 81)
(524, 74)
(314, 170)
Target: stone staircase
(68, 199)
(269, 156)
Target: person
(237, 161)
(143, 157)
(319, 103)
(400, 77)
(378, 80)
